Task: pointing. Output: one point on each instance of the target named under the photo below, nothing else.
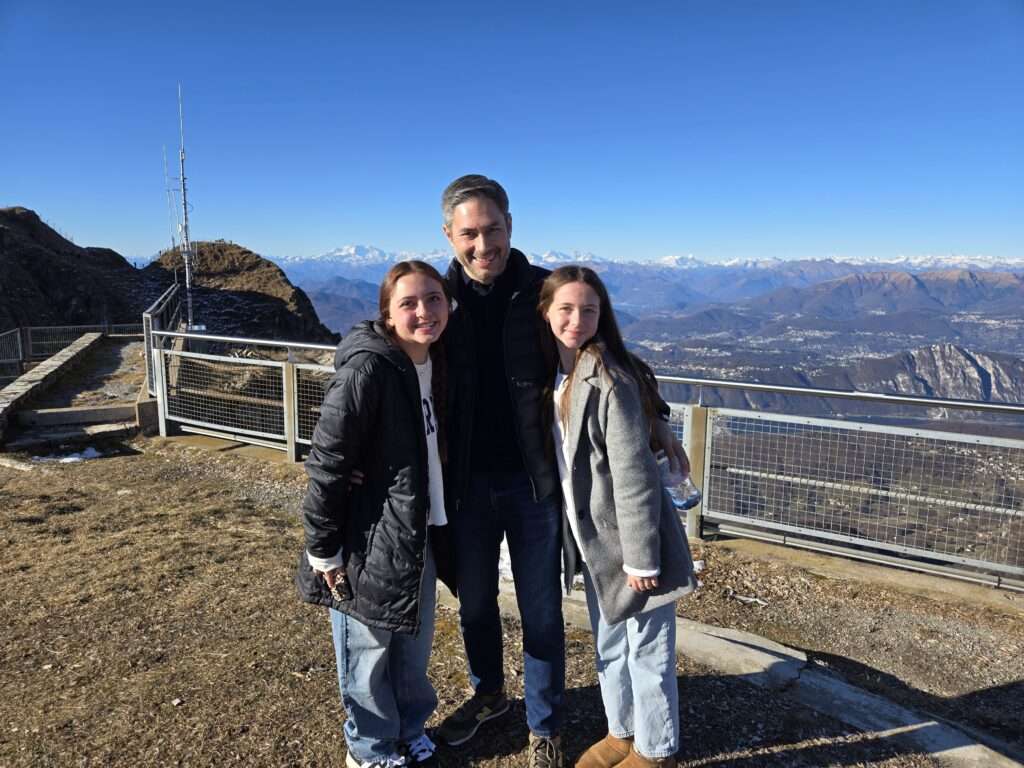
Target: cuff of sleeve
(324, 564)
(641, 572)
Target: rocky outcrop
(945, 371)
(237, 292)
(46, 279)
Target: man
(503, 476)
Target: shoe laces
(421, 747)
(544, 753)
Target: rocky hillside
(238, 292)
(46, 279)
(945, 371)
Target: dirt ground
(150, 619)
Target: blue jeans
(501, 504)
(383, 677)
(636, 667)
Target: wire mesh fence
(950, 497)
(46, 341)
(930, 495)
(10, 346)
(163, 315)
(241, 396)
(310, 387)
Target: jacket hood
(368, 336)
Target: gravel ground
(150, 619)
(113, 375)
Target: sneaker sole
(351, 762)
(459, 742)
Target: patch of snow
(70, 458)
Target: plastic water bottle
(685, 495)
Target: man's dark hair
(469, 186)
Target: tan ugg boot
(636, 760)
(608, 752)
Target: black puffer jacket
(525, 370)
(372, 420)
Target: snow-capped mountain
(674, 282)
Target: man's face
(479, 235)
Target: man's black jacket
(526, 374)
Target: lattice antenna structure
(186, 244)
(172, 211)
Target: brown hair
(439, 371)
(607, 332)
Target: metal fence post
(695, 430)
(291, 408)
(21, 352)
(160, 382)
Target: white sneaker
(393, 761)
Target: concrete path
(786, 671)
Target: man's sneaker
(420, 751)
(394, 761)
(462, 724)
(545, 752)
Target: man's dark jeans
(500, 504)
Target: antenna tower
(186, 244)
(172, 213)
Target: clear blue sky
(719, 128)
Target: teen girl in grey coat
(624, 513)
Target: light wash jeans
(383, 677)
(636, 667)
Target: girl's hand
(331, 577)
(642, 583)
(666, 440)
(337, 582)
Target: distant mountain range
(670, 283)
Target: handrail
(246, 341)
(155, 306)
(846, 394)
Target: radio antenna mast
(186, 244)
(172, 213)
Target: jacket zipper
(512, 395)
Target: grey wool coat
(623, 511)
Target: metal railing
(11, 355)
(34, 343)
(163, 315)
(944, 501)
(253, 390)
(46, 341)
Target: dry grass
(150, 619)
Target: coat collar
(586, 384)
(517, 272)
